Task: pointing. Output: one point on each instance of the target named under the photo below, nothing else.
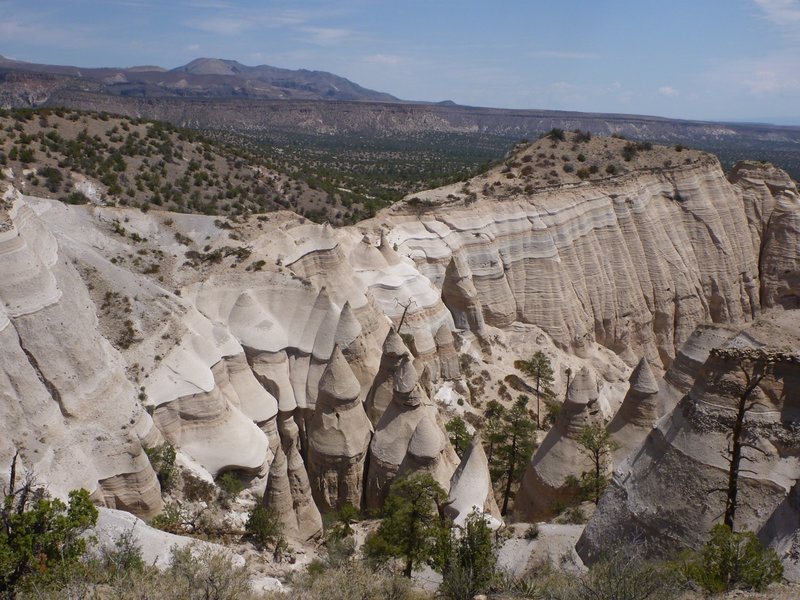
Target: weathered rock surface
(635, 262)
(471, 487)
(339, 436)
(666, 490)
(638, 413)
(560, 456)
(407, 439)
(65, 400)
(225, 331)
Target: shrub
(196, 489)
(622, 574)
(230, 484)
(629, 151)
(162, 459)
(582, 136)
(734, 560)
(352, 581)
(556, 134)
(40, 537)
(205, 573)
(611, 169)
(76, 198)
(469, 565)
(264, 527)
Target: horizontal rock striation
(671, 489)
(635, 262)
(65, 401)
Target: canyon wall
(268, 345)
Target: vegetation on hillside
(84, 157)
(366, 173)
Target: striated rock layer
(667, 489)
(225, 330)
(339, 437)
(65, 400)
(633, 262)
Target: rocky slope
(671, 488)
(634, 262)
(269, 345)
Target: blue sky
(699, 59)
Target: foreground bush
(733, 560)
(40, 537)
(352, 581)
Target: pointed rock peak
(474, 455)
(323, 297)
(349, 327)
(583, 389)
(338, 384)
(426, 377)
(457, 268)
(427, 441)
(393, 345)
(386, 248)
(443, 337)
(406, 377)
(642, 379)
(245, 300)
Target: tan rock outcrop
(635, 263)
(407, 439)
(212, 430)
(471, 487)
(666, 492)
(638, 413)
(393, 354)
(65, 400)
(288, 488)
(780, 260)
(446, 354)
(338, 438)
(544, 483)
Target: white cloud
(327, 36)
(781, 12)
(763, 77)
(667, 90)
(383, 59)
(565, 55)
(236, 24)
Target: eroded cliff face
(634, 262)
(670, 489)
(66, 400)
(263, 368)
(268, 344)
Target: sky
(723, 60)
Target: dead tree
(405, 306)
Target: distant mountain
(301, 108)
(203, 77)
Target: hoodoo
(338, 439)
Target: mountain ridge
(207, 76)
